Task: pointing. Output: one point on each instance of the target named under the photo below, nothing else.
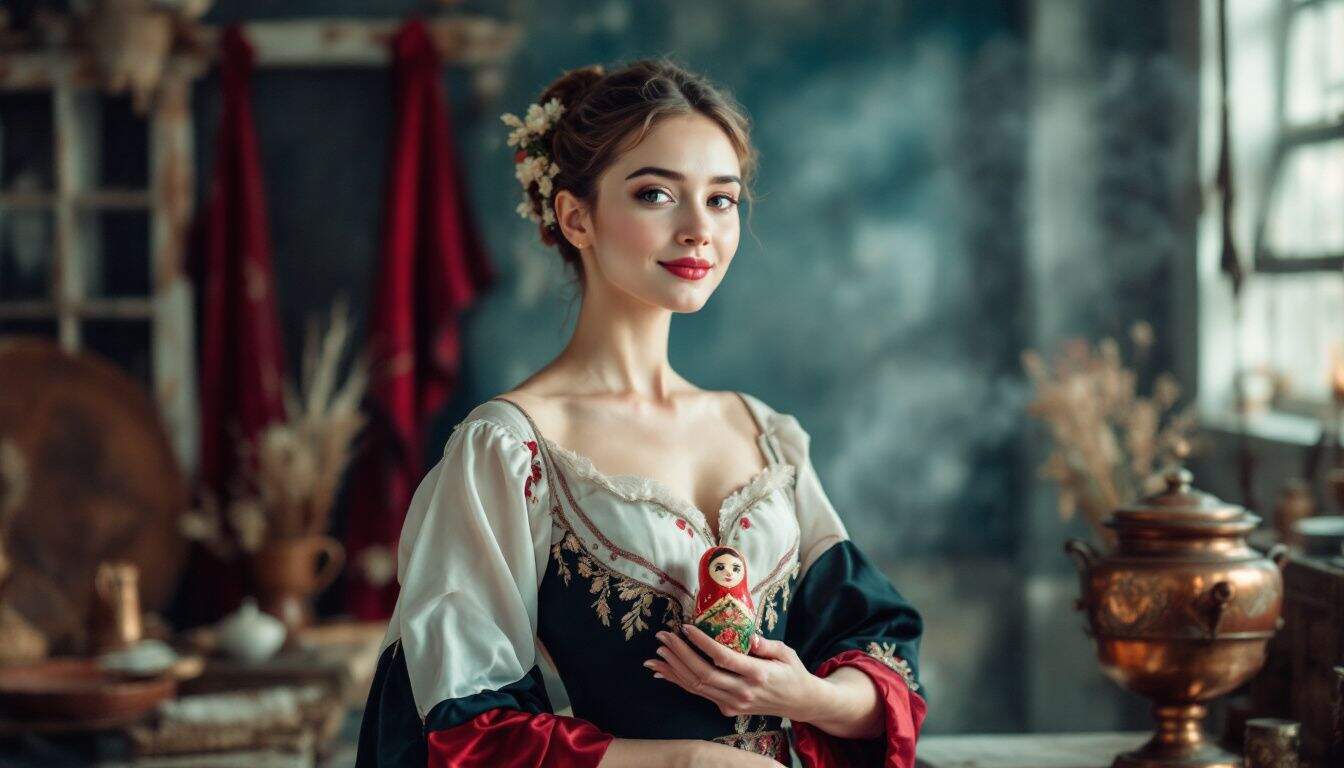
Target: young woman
(565, 525)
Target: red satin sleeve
(508, 738)
(902, 713)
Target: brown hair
(606, 113)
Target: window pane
(1306, 214)
(114, 248)
(26, 252)
(26, 158)
(1315, 64)
(126, 343)
(1300, 317)
(125, 146)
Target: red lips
(687, 268)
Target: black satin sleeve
(842, 603)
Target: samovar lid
(1179, 503)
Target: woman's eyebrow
(656, 171)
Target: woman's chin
(686, 299)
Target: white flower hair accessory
(532, 165)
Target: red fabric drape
(242, 358)
(903, 713)
(432, 268)
(507, 738)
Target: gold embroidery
(639, 595)
(768, 598)
(601, 579)
(774, 744)
(886, 653)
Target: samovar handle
(1084, 558)
(1279, 554)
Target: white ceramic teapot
(250, 634)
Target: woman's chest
(624, 563)
(632, 535)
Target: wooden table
(1026, 750)
(337, 659)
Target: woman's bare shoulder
(547, 411)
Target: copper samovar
(1181, 612)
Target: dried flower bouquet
(1110, 445)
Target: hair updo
(606, 113)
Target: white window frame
(1257, 36)
(76, 98)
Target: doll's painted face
(672, 196)
(726, 570)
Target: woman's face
(726, 570)
(674, 196)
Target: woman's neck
(619, 347)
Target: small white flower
(553, 110)
(528, 133)
(535, 120)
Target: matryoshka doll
(723, 606)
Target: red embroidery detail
(535, 475)
(746, 523)
(681, 524)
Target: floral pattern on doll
(723, 604)
(886, 653)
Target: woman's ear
(571, 215)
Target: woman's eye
(730, 202)
(642, 195)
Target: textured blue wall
(882, 292)
(874, 293)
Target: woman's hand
(771, 681)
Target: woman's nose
(695, 231)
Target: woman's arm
(679, 753)
(636, 753)
(847, 706)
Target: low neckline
(644, 488)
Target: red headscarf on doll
(710, 590)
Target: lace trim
(636, 488)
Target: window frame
(68, 76)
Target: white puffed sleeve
(820, 526)
(469, 562)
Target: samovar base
(1179, 743)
